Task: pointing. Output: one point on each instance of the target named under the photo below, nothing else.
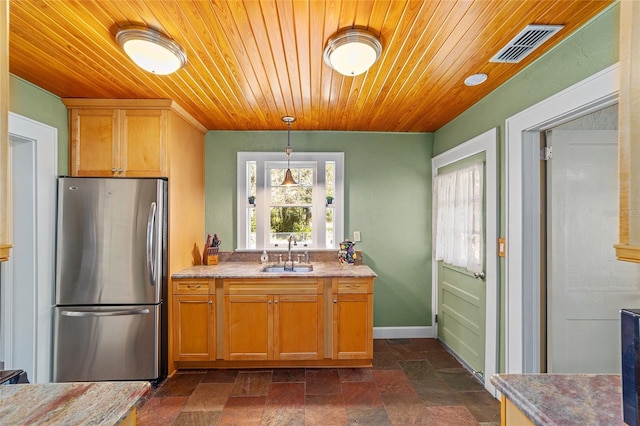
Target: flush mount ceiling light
(288, 178)
(475, 79)
(151, 50)
(352, 52)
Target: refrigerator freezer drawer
(106, 343)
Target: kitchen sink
(281, 268)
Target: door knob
(479, 275)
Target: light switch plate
(356, 236)
(502, 247)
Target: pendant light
(288, 178)
(151, 50)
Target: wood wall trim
(627, 253)
(5, 194)
(628, 248)
(117, 103)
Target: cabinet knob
(335, 300)
(210, 302)
(120, 170)
(114, 170)
(276, 302)
(269, 301)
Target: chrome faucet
(289, 259)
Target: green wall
(387, 199)
(33, 102)
(388, 175)
(591, 49)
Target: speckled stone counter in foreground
(564, 399)
(253, 270)
(90, 403)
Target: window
(458, 217)
(269, 212)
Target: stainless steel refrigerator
(111, 279)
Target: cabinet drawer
(353, 285)
(190, 286)
(273, 286)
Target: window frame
(298, 159)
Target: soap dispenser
(265, 257)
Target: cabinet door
(352, 326)
(143, 142)
(94, 142)
(298, 331)
(248, 325)
(194, 328)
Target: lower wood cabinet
(511, 415)
(273, 320)
(352, 318)
(194, 317)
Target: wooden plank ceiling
(251, 62)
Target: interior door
(586, 285)
(462, 303)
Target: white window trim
(318, 198)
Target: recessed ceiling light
(151, 50)
(475, 79)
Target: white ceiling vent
(525, 42)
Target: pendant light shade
(151, 50)
(352, 52)
(288, 177)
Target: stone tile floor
(412, 382)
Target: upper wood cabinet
(5, 205)
(629, 132)
(122, 138)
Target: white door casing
(27, 304)
(486, 142)
(522, 293)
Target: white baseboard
(404, 332)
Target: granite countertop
(87, 403)
(564, 399)
(253, 270)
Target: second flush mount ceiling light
(150, 50)
(353, 51)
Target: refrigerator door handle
(68, 313)
(151, 261)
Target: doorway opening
(585, 285)
(523, 335)
(27, 278)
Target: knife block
(210, 256)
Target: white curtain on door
(458, 217)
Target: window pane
(296, 195)
(251, 182)
(290, 220)
(251, 220)
(330, 178)
(329, 227)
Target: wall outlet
(356, 236)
